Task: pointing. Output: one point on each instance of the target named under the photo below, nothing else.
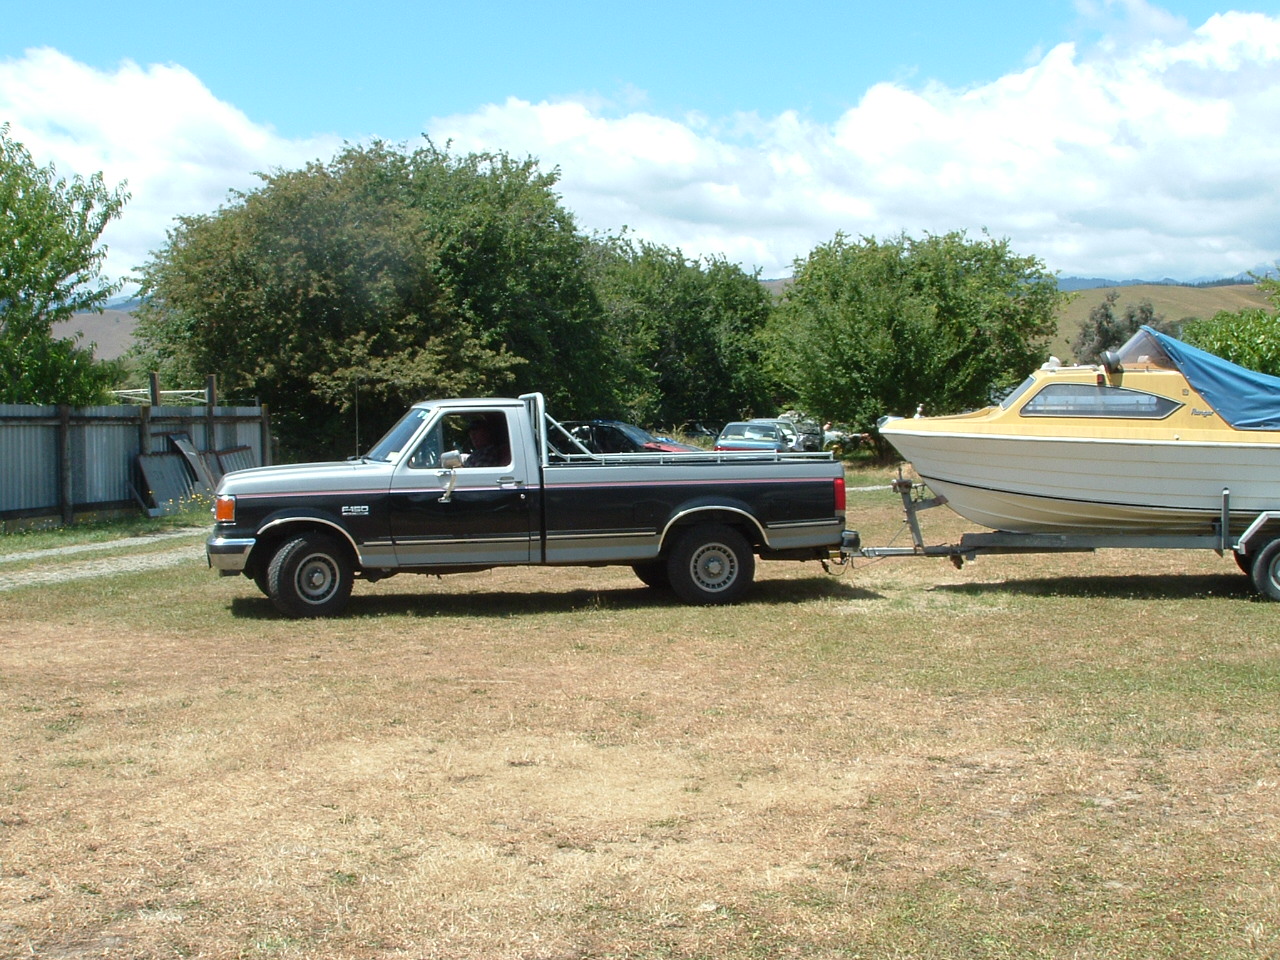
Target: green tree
(50, 265)
(685, 333)
(874, 327)
(1249, 337)
(374, 280)
(1103, 330)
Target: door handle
(510, 482)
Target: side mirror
(450, 461)
(1111, 361)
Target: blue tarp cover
(1246, 399)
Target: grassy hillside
(1173, 303)
(112, 331)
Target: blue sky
(1108, 137)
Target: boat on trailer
(1146, 441)
(1161, 445)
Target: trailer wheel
(1266, 570)
(1245, 562)
(711, 565)
(310, 576)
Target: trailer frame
(1256, 549)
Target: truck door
(486, 520)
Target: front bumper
(228, 555)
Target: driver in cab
(488, 444)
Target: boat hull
(1037, 484)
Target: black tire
(711, 565)
(260, 580)
(1266, 570)
(653, 573)
(310, 576)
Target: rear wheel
(310, 576)
(653, 573)
(1266, 570)
(710, 565)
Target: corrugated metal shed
(56, 460)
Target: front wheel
(1266, 570)
(711, 565)
(310, 576)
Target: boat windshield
(1017, 392)
(1144, 350)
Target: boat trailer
(1256, 550)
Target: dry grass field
(1042, 757)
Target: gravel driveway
(56, 568)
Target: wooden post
(65, 495)
(154, 383)
(211, 399)
(264, 425)
(144, 429)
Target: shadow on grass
(507, 603)
(1134, 586)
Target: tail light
(840, 495)
(224, 508)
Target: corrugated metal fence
(60, 461)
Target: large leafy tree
(50, 268)
(685, 333)
(374, 280)
(946, 322)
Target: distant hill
(111, 331)
(1172, 301)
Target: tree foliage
(1249, 337)
(872, 327)
(50, 264)
(685, 334)
(377, 279)
(1104, 330)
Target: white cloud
(1144, 158)
(179, 148)
(1152, 153)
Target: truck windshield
(398, 437)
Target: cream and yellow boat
(1146, 442)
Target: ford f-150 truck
(469, 484)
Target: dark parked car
(753, 435)
(615, 436)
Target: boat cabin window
(1089, 400)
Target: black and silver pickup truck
(465, 485)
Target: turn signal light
(224, 509)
